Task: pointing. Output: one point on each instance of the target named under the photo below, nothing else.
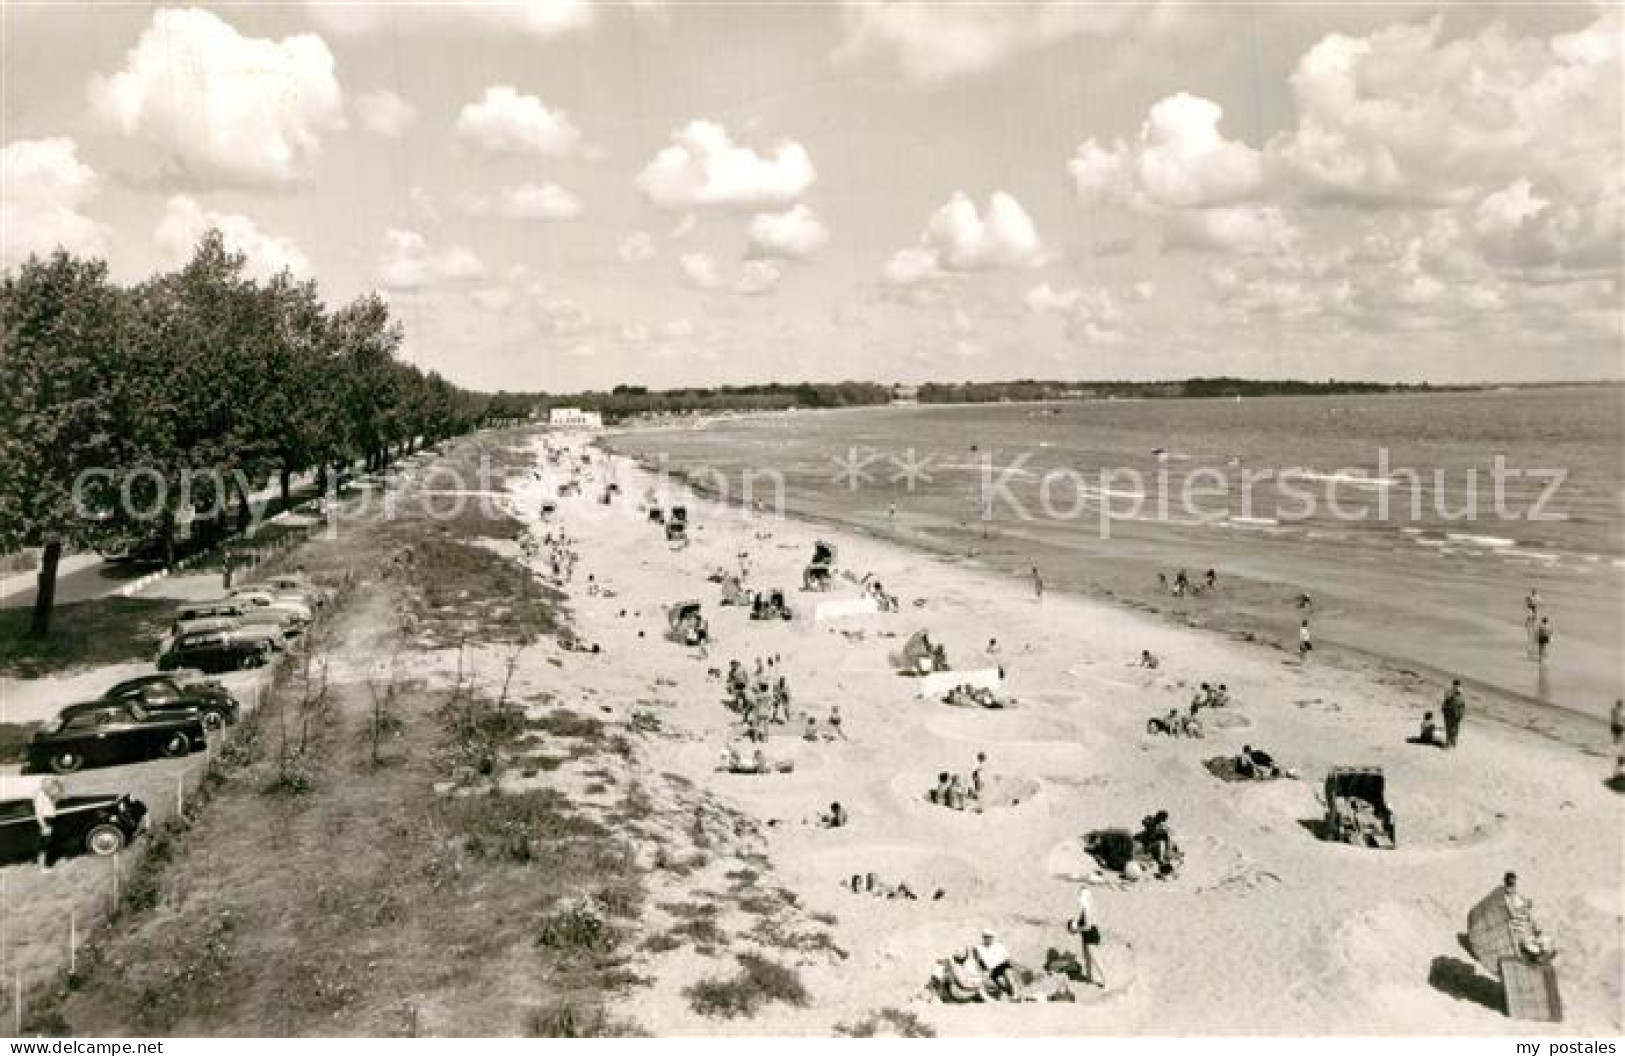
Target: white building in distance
(574, 418)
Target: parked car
(278, 624)
(177, 692)
(221, 608)
(98, 823)
(216, 650)
(265, 599)
(297, 586)
(234, 614)
(105, 733)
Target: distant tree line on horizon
(1034, 390)
(179, 395)
(631, 401)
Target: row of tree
(626, 401)
(127, 411)
(1028, 389)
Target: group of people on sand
(1537, 627)
(758, 698)
(959, 793)
(739, 760)
(980, 972)
(871, 884)
(965, 695)
(1210, 696)
(1183, 584)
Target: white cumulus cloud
(527, 201)
(507, 121)
(795, 234)
(184, 222)
(958, 237)
(43, 187)
(700, 269)
(219, 108)
(408, 262)
(702, 166)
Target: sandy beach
(1312, 937)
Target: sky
(557, 195)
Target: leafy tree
(59, 412)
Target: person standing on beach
(1531, 618)
(1616, 726)
(1454, 709)
(1038, 584)
(1086, 926)
(1543, 639)
(1305, 642)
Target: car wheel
(104, 839)
(213, 720)
(66, 761)
(177, 746)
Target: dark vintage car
(104, 733)
(99, 824)
(215, 651)
(177, 692)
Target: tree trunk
(286, 481)
(245, 516)
(167, 528)
(45, 591)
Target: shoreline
(1351, 940)
(1583, 731)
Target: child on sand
(1305, 643)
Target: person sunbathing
(1157, 838)
(1256, 764)
(994, 960)
(833, 818)
(1429, 733)
(1147, 660)
(959, 981)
